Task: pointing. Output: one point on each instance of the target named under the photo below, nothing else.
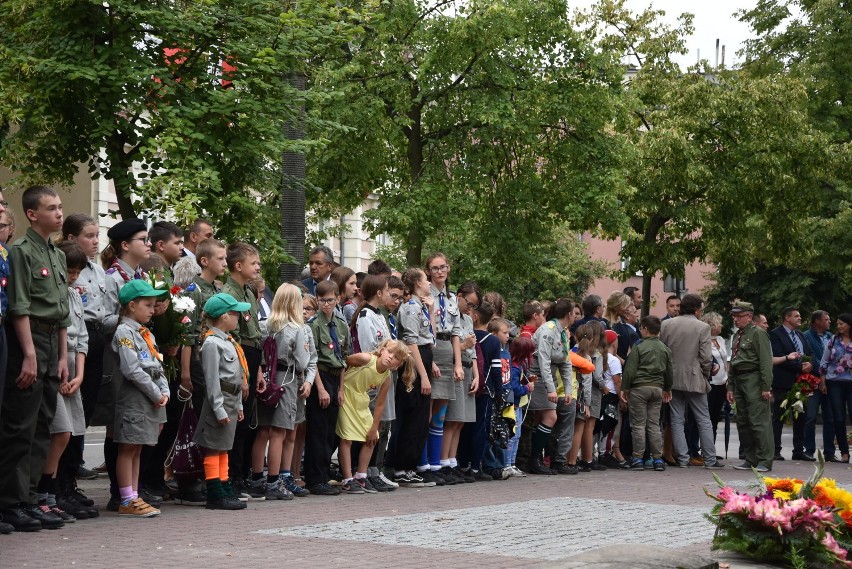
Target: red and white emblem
(44, 272)
(3, 282)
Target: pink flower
(831, 544)
(738, 504)
(185, 320)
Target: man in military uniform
(750, 386)
(37, 361)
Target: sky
(714, 19)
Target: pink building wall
(610, 251)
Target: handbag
(185, 458)
(274, 390)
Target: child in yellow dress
(355, 422)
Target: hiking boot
(637, 464)
(323, 489)
(48, 519)
(138, 508)
(256, 490)
(537, 467)
(19, 519)
(82, 498)
(224, 503)
(277, 491)
(290, 484)
(696, 461)
(659, 465)
(351, 487)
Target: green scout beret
(220, 303)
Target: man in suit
(688, 338)
(817, 338)
(788, 350)
(321, 263)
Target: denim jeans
(840, 394)
(512, 452)
(817, 400)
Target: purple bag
(185, 457)
(274, 391)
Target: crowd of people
(409, 382)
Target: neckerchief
(149, 339)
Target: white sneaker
(387, 481)
(518, 472)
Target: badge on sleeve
(44, 272)
(3, 282)
(143, 355)
(331, 346)
(127, 343)
(247, 317)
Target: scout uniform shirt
(91, 285)
(199, 291)
(248, 332)
(118, 274)
(447, 316)
(224, 377)
(414, 324)
(372, 329)
(469, 354)
(331, 355)
(78, 335)
(751, 354)
(552, 351)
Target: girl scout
(141, 393)
(225, 374)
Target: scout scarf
(240, 354)
(137, 275)
(149, 339)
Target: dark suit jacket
(311, 285)
(784, 374)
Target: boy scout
(750, 385)
(37, 363)
(331, 337)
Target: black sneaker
(191, 498)
(584, 466)
(482, 476)
(19, 519)
(351, 487)
(63, 515)
(256, 490)
(450, 477)
(224, 503)
(238, 487)
(277, 491)
(465, 475)
(538, 467)
(113, 504)
(431, 477)
(409, 480)
(366, 485)
(84, 473)
(158, 489)
(48, 519)
(6, 529)
(565, 468)
(82, 498)
(596, 466)
(73, 507)
(323, 489)
(290, 484)
(380, 486)
(501, 473)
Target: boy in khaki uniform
(38, 306)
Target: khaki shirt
(751, 353)
(200, 292)
(322, 340)
(38, 287)
(248, 332)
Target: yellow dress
(355, 418)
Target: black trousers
(778, 426)
(27, 414)
(93, 372)
(412, 419)
(320, 436)
(239, 457)
(4, 355)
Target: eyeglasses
(326, 300)
(395, 296)
(142, 239)
(471, 303)
(309, 309)
(441, 269)
(4, 203)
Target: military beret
(125, 229)
(741, 306)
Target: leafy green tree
(181, 104)
(484, 128)
(727, 165)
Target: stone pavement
(522, 522)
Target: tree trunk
(122, 175)
(293, 197)
(646, 293)
(651, 231)
(415, 237)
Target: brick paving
(522, 522)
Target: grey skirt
(463, 408)
(538, 398)
(69, 417)
(210, 434)
(444, 387)
(138, 425)
(595, 405)
(284, 415)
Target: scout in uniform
(750, 386)
(141, 392)
(296, 371)
(447, 357)
(415, 327)
(226, 373)
(331, 337)
(244, 265)
(38, 307)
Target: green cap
(220, 303)
(740, 306)
(138, 288)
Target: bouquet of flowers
(171, 326)
(794, 403)
(801, 524)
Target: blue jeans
(817, 400)
(840, 394)
(512, 452)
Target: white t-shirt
(614, 366)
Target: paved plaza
(522, 522)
